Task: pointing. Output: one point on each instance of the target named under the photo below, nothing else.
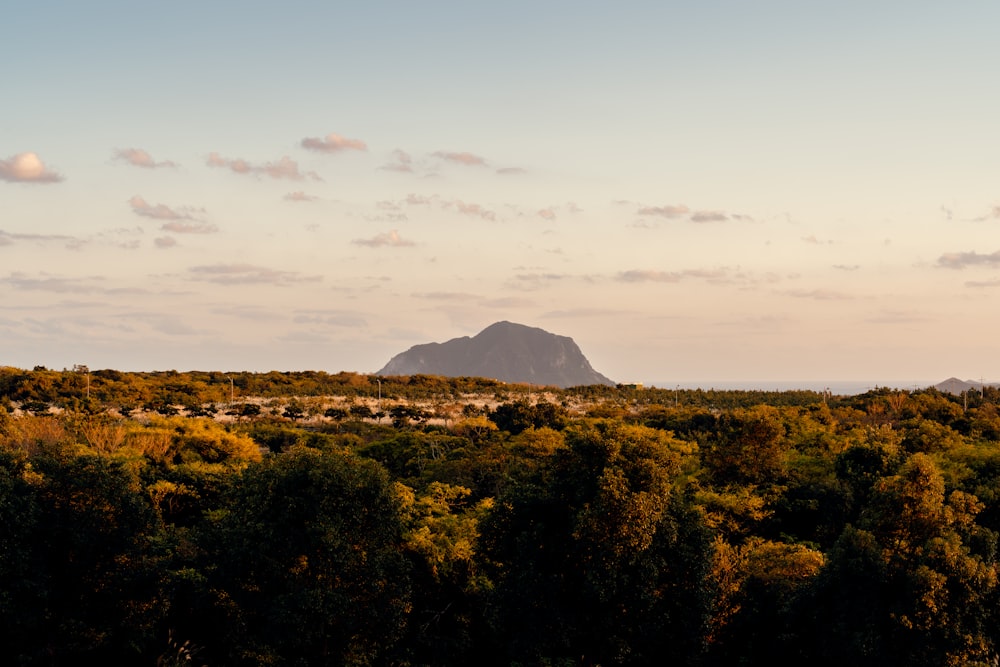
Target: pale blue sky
(692, 191)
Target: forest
(172, 518)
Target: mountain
(956, 386)
(502, 351)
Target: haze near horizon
(691, 191)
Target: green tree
(603, 561)
(441, 540)
(92, 567)
(748, 447)
(308, 566)
(914, 583)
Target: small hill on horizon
(503, 351)
(955, 386)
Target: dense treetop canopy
(308, 518)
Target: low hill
(955, 386)
(503, 351)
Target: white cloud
(333, 143)
(286, 167)
(467, 159)
(299, 195)
(137, 157)
(27, 168)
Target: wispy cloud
(466, 159)
(27, 168)
(285, 168)
(648, 275)
(581, 312)
(472, 209)
(401, 162)
(511, 171)
(815, 241)
(189, 227)
(247, 274)
(982, 283)
(333, 143)
(22, 281)
(418, 200)
(165, 324)
(547, 213)
(508, 302)
(6, 238)
(299, 195)
(332, 318)
(386, 239)
(161, 211)
(819, 295)
(847, 267)
(669, 212)
(896, 317)
(535, 281)
(960, 260)
(137, 157)
(165, 242)
(994, 214)
(675, 211)
(252, 313)
(444, 296)
(709, 216)
(60, 285)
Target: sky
(692, 191)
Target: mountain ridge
(955, 386)
(504, 351)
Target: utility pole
(232, 391)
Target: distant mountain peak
(955, 386)
(503, 351)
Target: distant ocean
(836, 387)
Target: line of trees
(861, 533)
